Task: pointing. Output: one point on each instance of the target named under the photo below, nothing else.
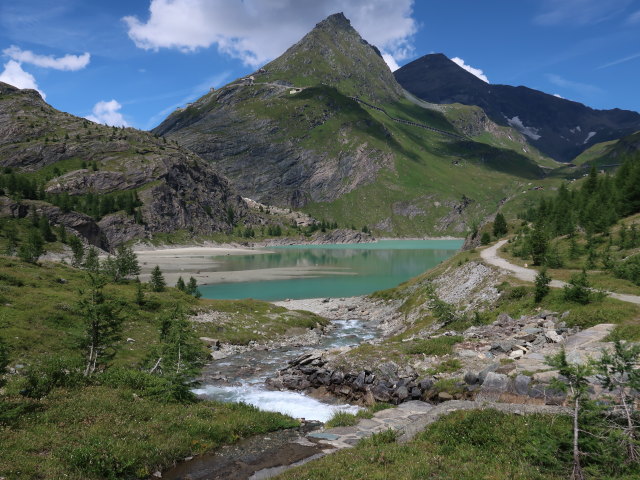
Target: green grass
(470, 445)
(120, 424)
(434, 346)
(108, 433)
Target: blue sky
(135, 61)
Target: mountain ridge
(558, 127)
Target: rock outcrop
(176, 189)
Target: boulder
(337, 377)
(553, 336)
(425, 384)
(483, 373)
(381, 393)
(522, 384)
(495, 383)
(401, 394)
(471, 378)
(444, 397)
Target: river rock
(483, 373)
(337, 377)
(522, 384)
(402, 393)
(495, 383)
(358, 383)
(471, 378)
(389, 369)
(381, 393)
(425, 384)
(553, 336)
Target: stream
(241, 377)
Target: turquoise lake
(331, 270)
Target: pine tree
(103, 325)
(92, 260)
(157, 281)
(539, 245)
(192, 288)
(77, 248)
(577, 384)
(499, 226)
(4, 361)
(180, 285)
(33, 249)
(542, 285)
(139, 293)
(126, 262)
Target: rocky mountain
(80, 174)
(557, 127)
(326, 128)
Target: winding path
(490, 255)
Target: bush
(165, 389)
(57, 372)
(578, 289)
(485, 239)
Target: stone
(495, 382)
(503, 346)
(389, 369)
(130, 340)
(157, 474)
(471, 378)
(425, 384)
(381, 393)
(503, 319)
(444, 396)
(337, 377)
(545, 377)
(483, 374)
(358, 383)
(532, 330)
(522, 384)
(553, 336)
(401, 393)
(516, 354)
(368, 398)
(415, 393)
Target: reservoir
(315, 271)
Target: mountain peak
(335, 54)
(335, 20)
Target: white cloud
(108, 114)
(67, 62)
(391, 62)
(579, 12)
(620, 60)
(258, 31)
(583, 88)
(634, 18)
(13, 74)
(475, 71)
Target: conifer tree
(157, 281)
(180, 285)
(542, 285)
(499, 226)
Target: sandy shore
(203, 264)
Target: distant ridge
(557, 127)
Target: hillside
(559, 128)
(326, 128)
(610, 153)
(107, 184)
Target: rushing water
(247, 372)
(314, 271)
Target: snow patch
(589, 137)
(530, 132)
(576, 130)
